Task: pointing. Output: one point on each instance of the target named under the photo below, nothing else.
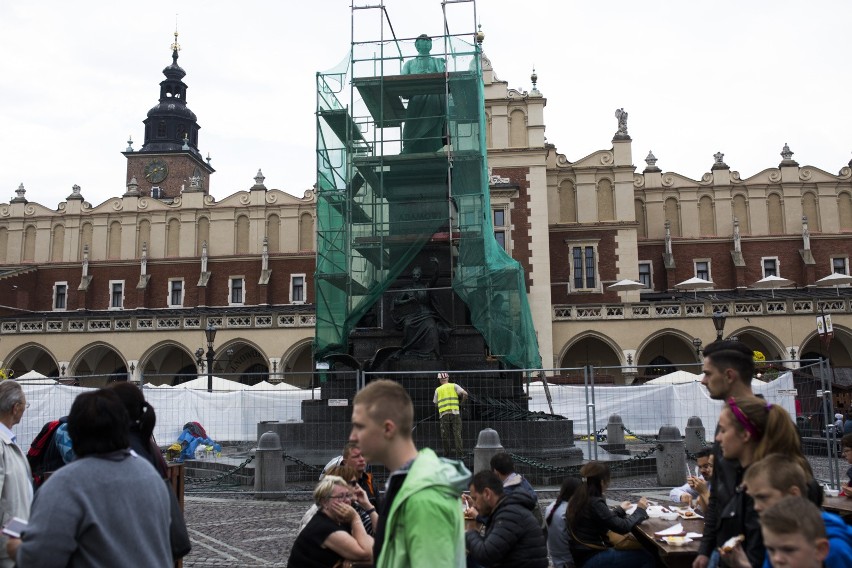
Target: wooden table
(673, 556)
(839, 505)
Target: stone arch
(811, 211)
(85, 239)
(247, 364)
(641, 217)
(97, 364)
(567, 201)
(518, 129)
(114, 240)
(173, 238)
(672, 211)
(297, 364)
(242, 234)
(273, 232)
(167, 363)
(840, 350)
(606, 200)
(591, 348)
(758, 339)
(739, 207)
(143, 235)
(4, 243)
(32, 356)
(706, 216)
(775, 213)
(306, 231)
(844, 211)
(202, 234)
(29, 247)
(672, 344)
(57, 243)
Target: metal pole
(210, 355)
(590, 431)
(594, 409)
(827, 420)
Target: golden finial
(176, 45)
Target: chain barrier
(570, 469)
(218, 478)
(640, 456)
(629, 432)
(704, 444)
(285, 456)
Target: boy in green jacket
(420, 522)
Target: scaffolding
(402, 165)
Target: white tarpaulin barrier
(644, 408)
(227, 416)
(233, 416)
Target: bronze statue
(425, 124)
(415, 312)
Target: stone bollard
(269, 475)
(487, 445)
(615, 431)
(671, 458)
(695, 435)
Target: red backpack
(43, 454)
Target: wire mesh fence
(550, 420)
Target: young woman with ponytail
(590, 520)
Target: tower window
(161, 129)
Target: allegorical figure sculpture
(621, 115)
(425, 122)
(415, 312)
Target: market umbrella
(694, 283)
(835, 279)
(772, 282)
(625, 285)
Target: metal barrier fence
(549, 420)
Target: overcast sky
(743, 78)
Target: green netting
(389, 183)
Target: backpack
(43, 454)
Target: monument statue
(415, 312)
(621, 115)
(425, 122)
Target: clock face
(156, 171)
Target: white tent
(35, 378)
(675, 378)
(219, 384)
(262, 385)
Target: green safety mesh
(381, 197)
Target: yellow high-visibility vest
(448, 400)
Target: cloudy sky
(743, 78)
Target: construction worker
(447, 399)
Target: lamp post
(210, 332)
(696, 341)
(719, 323)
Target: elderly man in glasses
(17, 488)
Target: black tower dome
(171, 126)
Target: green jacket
(425, 527)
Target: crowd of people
(433, 512)
(109, 506)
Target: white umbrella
(694, 283)
(772, 282)
(625, 285)
(835, 279)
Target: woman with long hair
(590, 520)
(142, 422)
(743, 425)
(335, 533)
(558, 543)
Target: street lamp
(696, 341)
(210, 332)
(719, 323)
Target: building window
(60, 295)
(297, 289)
(770, 266)
(645, 274)
(584, 267)
(116, 294)
(702, 269)
(236, 291)
(500, 229)
(175, 293)
(840, 265)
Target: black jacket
(590, 531)
(512, 536)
